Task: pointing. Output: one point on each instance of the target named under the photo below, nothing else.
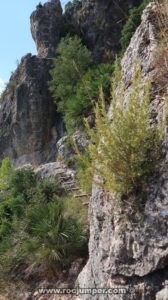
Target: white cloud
(2, 85)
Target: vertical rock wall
(135, 254)
(30, 125)
(100, 23)
(46, 24)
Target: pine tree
(71, 64)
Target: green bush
(48, 190)
(87, 94)
(71, 64)
(5, 172)
(127, 151)
(35, 221)
(131, 25)
(85, 170)
(16, 187)
(76, 81)
(52, 236)
(21, 182)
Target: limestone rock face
(29, 123)
(46, 23)
(30, 126)
(65, 147)
(134, 254)
(66, 176)
(100, 23)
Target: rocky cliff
(100, 24)
(30, 125)
(46, 24)
(132, 254)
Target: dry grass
(161, 53)
(162, 14)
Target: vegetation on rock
(161, 52)
(71, 4)
(126, 151)
(76, 81)
(71, 64)
(37, 222)
(131, 25)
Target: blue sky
(15, 35)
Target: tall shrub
(70, 65)
(76, 81)
(126, 151)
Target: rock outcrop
(46, 24)
(100, 24)
(66, 176)
(65, 145)
(162, 295)
(135, 254)
(128, 255)
(30, 125)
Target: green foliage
(71, 4)
(87, 94)
(85, 170)
(76, 82)
(71, 64)
(70, 162)
(52, 235)
(16, 189)
(131, 25)
(74, 207)
(11, 86)
(36, 222)
(127, 151)
(5, 171)
(48, 190)
(77, 92)
(21, 182)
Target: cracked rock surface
(136, 253)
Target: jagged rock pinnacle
(46, 22)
